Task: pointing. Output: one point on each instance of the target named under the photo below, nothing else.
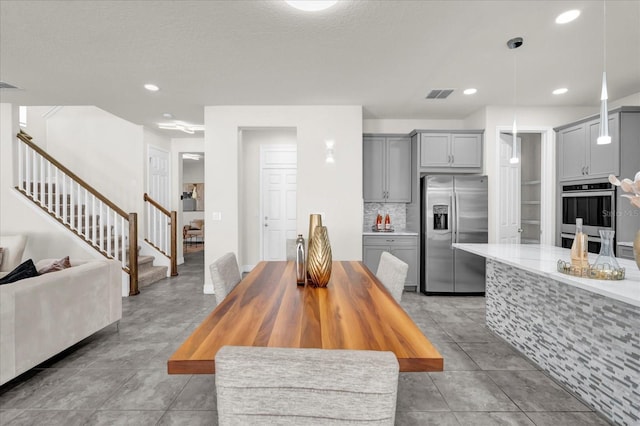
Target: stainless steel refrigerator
(454, 210)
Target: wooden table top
(267, 308)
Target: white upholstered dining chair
(225, 275)
(392, 272)
(293, 386)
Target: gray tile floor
(118, 377)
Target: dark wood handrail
(157, 205)
(24, 137)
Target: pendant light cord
(604, 35)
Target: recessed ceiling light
(470, 91)
(567, 16)
(167, 115)
(311, 5)
(560, 91)
(151, 87)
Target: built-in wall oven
(595, 203)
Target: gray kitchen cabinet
(386, 169)
(449, 151)
(625, 252)
(580, 157)
(404, 247)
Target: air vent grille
(5, 85)
(439, 93)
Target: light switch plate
(216, 215)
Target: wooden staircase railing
(158, 235)
(78, 206)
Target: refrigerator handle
(457, 216)
(454, 222)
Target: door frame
(264, 149)
(547, 179)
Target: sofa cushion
(25, 270)
(1, 252)
(13, 249)
(57, 265)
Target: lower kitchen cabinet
(404, 247)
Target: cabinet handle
(452, 158)
(586, 170)
(390, 241)
(582, 170)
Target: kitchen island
(584, 333)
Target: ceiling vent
(439, 93)
(5, 85)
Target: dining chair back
(392, 272)
(266, 385)
(225, 275)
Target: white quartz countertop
(542, 260)
(390, 233)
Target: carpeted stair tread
(151, 275)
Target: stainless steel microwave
(595, 203)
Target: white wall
(102, 149)
(193, 171)
(407, 126)
(631, 100)
(250, 223)
(46, 238)
(334, 189)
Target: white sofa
(13, 246)
(43, 315)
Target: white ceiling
(383, 55)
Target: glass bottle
(387, 222)
(301, 270)
(379, 221)
(579, 257)
(606, 260)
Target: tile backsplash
(397, 213)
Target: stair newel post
(174, 243)
(133, 254)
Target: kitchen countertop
(409, 233)
(542, 260)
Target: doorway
(192, 202)
(267, 188)
(525, 214)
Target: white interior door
(158, 176)
(509, 201)
(279, 183)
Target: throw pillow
(1, 251)
(25, 270)
(58, 265)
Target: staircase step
(145, 263)
(152, 275)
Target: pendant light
(514, 43)
(604, 138)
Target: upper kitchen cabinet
(386, 169)
(580, 157)
(448, 151)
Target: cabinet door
(371, 256)
(434, 150)
(603, 160)
(399, 170)
(466, 150)
(409, 255)
(571, 152)
(373, 165)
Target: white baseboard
(247, 268)
(208, 289)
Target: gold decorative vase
(314, 221)
(636, 248)
(319, 260)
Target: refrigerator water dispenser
(440, 217)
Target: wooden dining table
(267, 308)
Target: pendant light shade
(604, 138)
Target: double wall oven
(595, 203)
